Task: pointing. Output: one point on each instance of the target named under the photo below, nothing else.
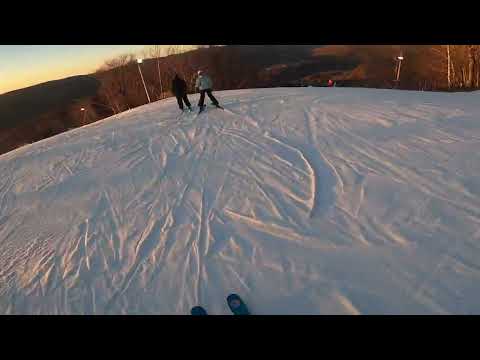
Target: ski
(198, 310)
(236, 305)
(203, 108)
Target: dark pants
(180, 102)
(202, 97)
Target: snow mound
(301, 200)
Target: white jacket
(203, 82)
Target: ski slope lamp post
(84, 114)
(139, 61)
(399, 58)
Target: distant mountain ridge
(23, 105)
(40, 111)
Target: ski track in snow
(302, 200)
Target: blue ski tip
(236, 305)
(198, 310)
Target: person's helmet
(199, 72)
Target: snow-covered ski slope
(301, 200)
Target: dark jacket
(179, 86)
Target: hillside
(34, 113)
(302, 200)
(31, 114)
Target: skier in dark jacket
(179, 89)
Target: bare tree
(461, 64)
(467, 65)
(156, 51)
(106, 94)
(478, 68)
(470, 66)
(119, 89)
(449, 67)
(161, 51)
(440, 65)
(118, 67)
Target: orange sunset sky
(26, 65)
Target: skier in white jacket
(204, 85)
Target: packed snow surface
(301, 200)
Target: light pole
(139, 61)
(84, 114)
(399, 58)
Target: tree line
(442, 67)
(121, 85)
(439, 67)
